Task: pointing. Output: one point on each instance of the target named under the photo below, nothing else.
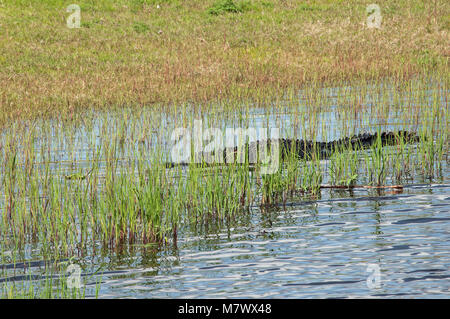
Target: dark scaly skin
(308, 149)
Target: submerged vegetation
(87, 115)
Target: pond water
(327, 248)
(343, 244)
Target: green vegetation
(119, 191)
(99, 180)
(135, 53)
(86, 114)
(224, 6)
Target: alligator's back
(254, 151)
(302, 149)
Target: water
(333, 246)
(318, 249)
(321, 248)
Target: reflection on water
(298, 249)
(306, 249)
(315, 249)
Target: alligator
(302, 149)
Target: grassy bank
(135, 52)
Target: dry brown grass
(128, 54)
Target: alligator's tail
(357, 142)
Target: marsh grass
(42, 279)
(86, 114)
(49, 287)
(99, 181)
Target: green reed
(101, 180)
